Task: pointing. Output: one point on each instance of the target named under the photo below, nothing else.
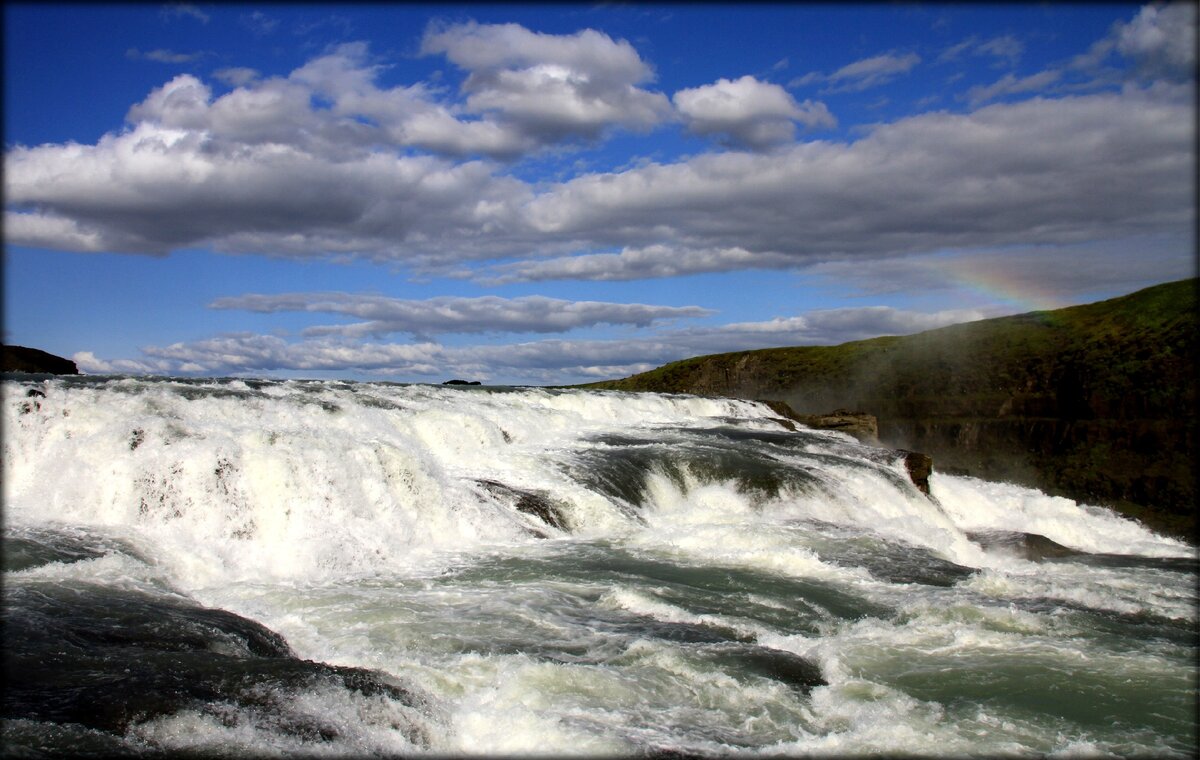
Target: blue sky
(552, 193)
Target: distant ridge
(22, 359)
(1095, 402)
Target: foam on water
(977, 505)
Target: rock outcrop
(919, 467)
(862, 426)
(34, 361)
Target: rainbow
(1004, 283)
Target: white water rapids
(562, 571)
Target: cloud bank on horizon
(553, 164)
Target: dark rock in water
(902, 563)
(34, 361)
(531, 503)
(1031, 546)
(106, 659)
(785, 667)
(461, 382)
(26, 549)
(920, 467)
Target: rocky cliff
(1093, 402)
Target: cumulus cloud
(446, 314)
(749, 112)
(1160, 41)
(319, 163)
(550, 87)
(1019, 173)
(863, 74)
(155, 189)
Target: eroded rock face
(32, 360)
(861, 425)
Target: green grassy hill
(1095, 402)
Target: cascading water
(366, 568)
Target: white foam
(326, 512)
(979, 505)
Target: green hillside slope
(1095, 402)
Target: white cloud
(1020, 173)
(631, 263)
(402, 116)
(535, 361)
(236, 76)
(259, 22)
(163, 56)
(752, 113)
(544, 361)
(1011, 85)
(179, 10)
(862, 74)
(550, 87)
(156, 189)
(1160, 41)
(1005, 47)
(446, 314)
(263, 169)
(824, 327)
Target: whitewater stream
(332, 568)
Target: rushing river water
(268, 567)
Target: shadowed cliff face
(22, 359)
(1094, 402)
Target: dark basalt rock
(529, 502)
(920, 467)
(34, 361)
(1030, 546)
(105, 659)
(778, 665)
